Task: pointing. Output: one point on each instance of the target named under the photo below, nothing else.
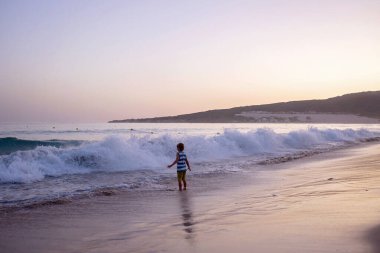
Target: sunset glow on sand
(191, 126)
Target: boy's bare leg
(180, 185)
(184, 185)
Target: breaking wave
(12, 144)
(118, 153)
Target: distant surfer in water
(181, 161)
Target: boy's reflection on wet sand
(187, 215)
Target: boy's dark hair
(180, 146)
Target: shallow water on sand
(49, 162)
(327, 203)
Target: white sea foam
(117, 153)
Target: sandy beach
(272, 108)
(324, 203)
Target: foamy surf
(63, 170)
(118, 153)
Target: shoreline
(299, 205)
(165, 180)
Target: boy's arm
(188, 164)
(176, 160)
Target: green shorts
(181, 175)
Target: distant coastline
(355, 108)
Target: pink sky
(94, 61)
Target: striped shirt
(181, 163)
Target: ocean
(52, 162)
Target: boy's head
(180, 147)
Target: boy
(181, 161)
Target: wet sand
(325, 203)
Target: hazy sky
(93, 61)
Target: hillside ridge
(361, 104)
